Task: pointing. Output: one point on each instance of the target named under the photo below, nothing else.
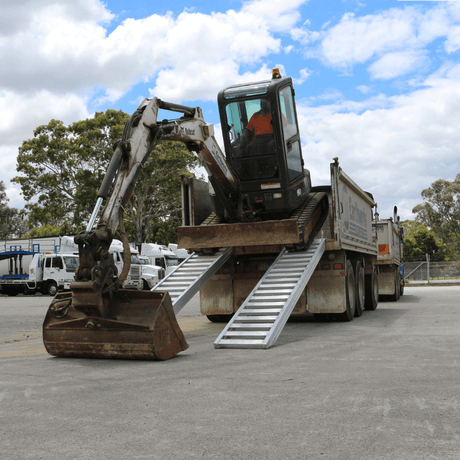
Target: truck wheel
(51, 288)
(11, 291)
(372, 290)
(401, 292)
(322, 317)
(350, 293)
(359, 289)
(395, 297)
(219, 318)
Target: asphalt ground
(384, 386)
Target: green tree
(62, 167)
(440, 212)
(419, 241)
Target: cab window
(252, 141)
(290, 133)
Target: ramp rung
(191, 275)
(261, 311)
(252, 326)
(242, 318)
(265, 304)
(232, 333)
(280, 288)
(240, 344)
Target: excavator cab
(262, 144)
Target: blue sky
(377, 82)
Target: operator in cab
(261, 122)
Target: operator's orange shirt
(260, 124)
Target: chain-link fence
(428, 270)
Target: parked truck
(26, 268)
(344, 281)
(390, 235)
(181, 254)
(160, 256)
(47, 272)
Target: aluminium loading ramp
(263, 315)
(190, 276)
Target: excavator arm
(97, 318)
(142, 132)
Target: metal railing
(431, 270)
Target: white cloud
(355, 40)
(304, 74)
(395, 148)
(393, 65)
(20, 115)
(65, 53)
(279, 16)
(395, 39)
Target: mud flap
(139, 325)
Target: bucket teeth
(139, 325)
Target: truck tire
(219, 318)
(360, 290)
(401, 292)
(350, 293)
(322, 317)
(395, 297)
(51, 288)
(11, 291)
(372, 290)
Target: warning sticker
(384, 249)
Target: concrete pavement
(384, 386)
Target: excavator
(260, 193)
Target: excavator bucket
(139, 325)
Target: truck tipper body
(390, 235)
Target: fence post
(428, 268)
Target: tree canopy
(419, 241)
(440, 212)
(61, 169)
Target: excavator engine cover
(138, 325)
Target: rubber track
(303, 215)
